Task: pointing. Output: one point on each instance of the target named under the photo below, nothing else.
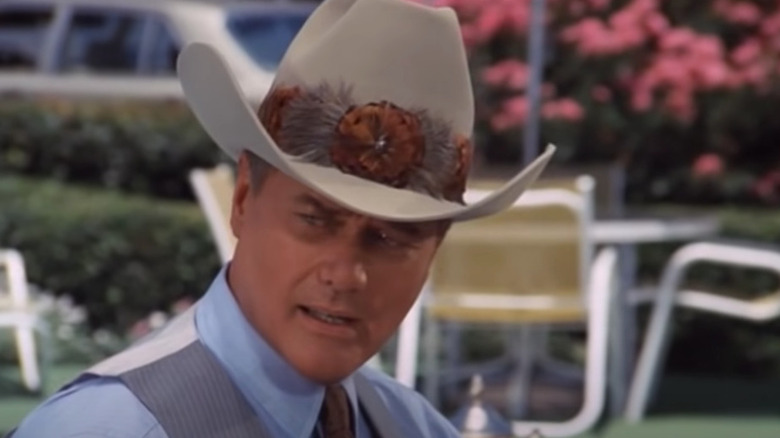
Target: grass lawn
(706, 407)
(676, 426)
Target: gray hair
(259, 169)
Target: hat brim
(217, 101)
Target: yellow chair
(530, 266)
(526, 264)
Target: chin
(326, 368)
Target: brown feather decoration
(402, 148)
(379, 141)
(272, 110)
(457, 185)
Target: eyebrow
(410, 229)
(309, 200)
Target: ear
(241, 194)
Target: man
(349, 176)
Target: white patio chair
(214, 191)
(18, 314)
(670, 293)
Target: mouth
(326, 317)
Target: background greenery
(96, 196)
(97, 199)
(133, 147)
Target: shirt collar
(266, 380)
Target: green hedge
(131, 146)
(120, 256)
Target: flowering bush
(683, 92)
(70, 339)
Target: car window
(265, 37)
(102, 41)
(23, 31)
(164, 49)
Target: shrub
(684, 92)
(119, 256)
(134, 147)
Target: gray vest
(189, 393)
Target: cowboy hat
(371, 107)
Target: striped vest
(191, 395)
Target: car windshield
(265, 37)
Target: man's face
(325, 287)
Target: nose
(343, 273)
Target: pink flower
(676, 38)
(667, 70)
(734, 79)
(641, 99)
(569, 110)
(576, 8)
(470, 36)
(744, 13)
(601, 93)
(656, 23)
(629, 38)
(712, 74)
(624, 19)
(591, 37)
(513, 112)
(140, 329)
(518, 16)
(598, 4)
(548, 90)
(573, 33)
(766, 186)
(644, 6)
(707, 47)
(181, 305)
(746, 52)
(771, 25)
(511, 73)
(489, 22)
(680, 103)
(755, 74)
(707, 165)
(563, 109)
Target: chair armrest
(729, 253)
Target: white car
(128, 48)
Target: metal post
(534, 92)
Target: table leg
(623, 336)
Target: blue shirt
(286, 403)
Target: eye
(378, 237)
(312, 219)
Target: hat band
(378, 141)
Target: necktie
(335, 414)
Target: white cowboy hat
(400, 70)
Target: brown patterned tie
(335, 414)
